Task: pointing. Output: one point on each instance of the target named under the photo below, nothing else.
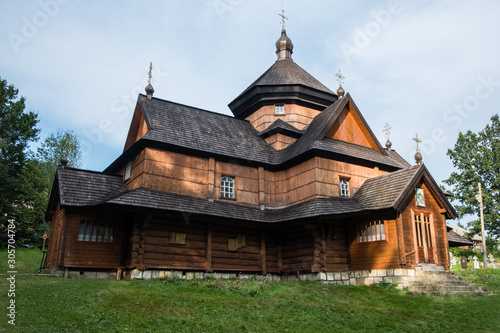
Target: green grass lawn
(47, 304)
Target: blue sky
(424, 67)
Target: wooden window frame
(368, 225)
(234, 187)
(99, 224)
(428, 233)
(128, 170)
(280, 107)
(347, 180)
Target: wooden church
(295, 183)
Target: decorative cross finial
(150, 74)
(387, 130)
(340, 78)
(149, 88)
(417, 140)
(283, 18)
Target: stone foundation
(401, 277)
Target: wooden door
(424, 237)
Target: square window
(279, 109)
(344, 187)
(227, 187)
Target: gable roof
(79, 188)
(280, 126)
(394, 189)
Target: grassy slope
(64, 305)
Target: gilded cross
(283, 18)
(387, 130)
(417, 140)
(340, 78)
(150, 74)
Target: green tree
(17, 130)
(476, 158)
(36, 182)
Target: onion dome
(149, 90)
(340, 92)
(64, 161)
(284, 46)
(418, 158)
(388, 144)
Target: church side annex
(295, 183)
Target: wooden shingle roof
(287, 72)
(172, 125)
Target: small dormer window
(344, 187)
(227, 187)
(279, 109)
(128, 169)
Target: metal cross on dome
(387, 130)
(340, 78)
(150, 74)
(417, 140)
(283, 18)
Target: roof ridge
(191, 107)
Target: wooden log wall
(198, 177)
(246, 181)
(93, 254)
(335, 251)
(159, 253)
(317, 177)
(298, 246)
(245, 259)
(296, 115)
(382, 254)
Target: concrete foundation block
(337, 276)
(101, 275)
(352, 281)
(74, 274)
(329, 276)
(146, 275)
(360, 281)
(390, 272)
(344, 276)
(189, 276)
(89, 275)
